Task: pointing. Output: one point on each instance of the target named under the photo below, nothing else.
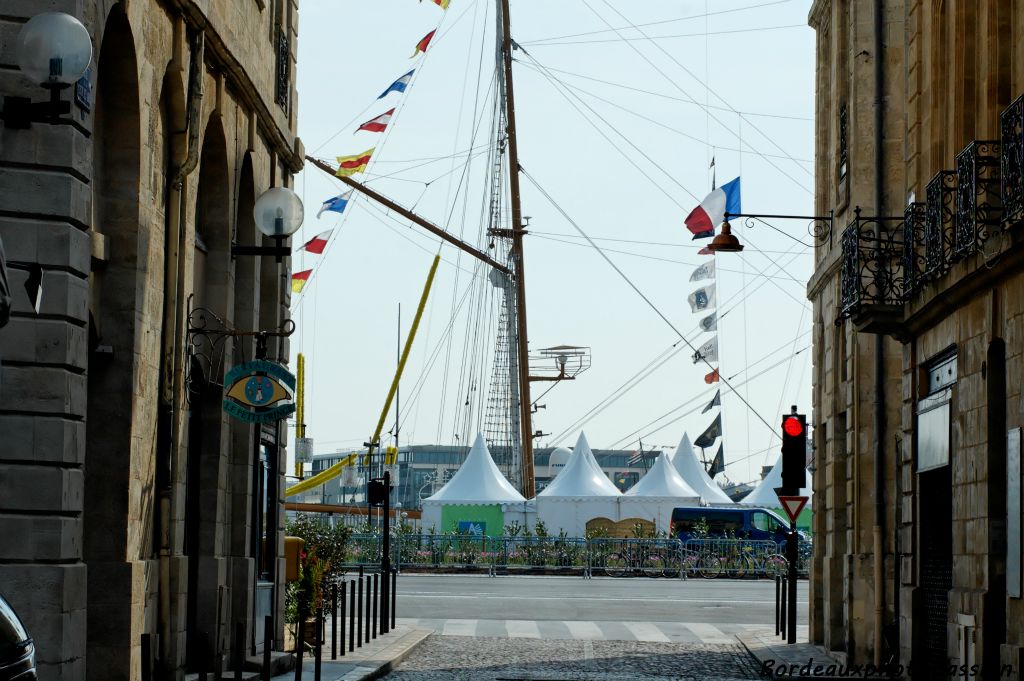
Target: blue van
(738, 522)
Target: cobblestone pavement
(456, 658)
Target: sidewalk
(373, 660)
(777, 659)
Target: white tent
(478, 482)
(580, 492)
(657, 493)
(685, 462)
(764, 494)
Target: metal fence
(706, 558)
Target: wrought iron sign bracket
(819, 227)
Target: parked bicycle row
(704, 558)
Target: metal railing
(650, 557)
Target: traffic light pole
(791, 558)
(385, 558)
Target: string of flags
(702, 222)
(357, 163)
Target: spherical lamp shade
(54, 49)
(278, 212)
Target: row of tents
(479, 499)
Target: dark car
(17, 652)
(739, 522)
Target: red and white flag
(377, 124)
(318, 243)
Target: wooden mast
(525, 402)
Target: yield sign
(792, 506)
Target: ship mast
(516, 253)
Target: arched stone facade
(112, 205)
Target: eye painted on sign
(258, 391)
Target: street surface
(569, 628)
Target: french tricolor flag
(705, 218)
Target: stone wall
(949, 69)
(91, 562)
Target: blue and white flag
(399, 85)
(702, 299)
(336, 204)
(705, 271)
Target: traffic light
(376, 492)
(794, 452)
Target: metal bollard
(359, 615)
(369, 601)
(318, 650)
(300, 632)
(778, 586)
(782, 626)
(394, 584)
(238, 652)
(268, 645)
(334, 621)
(376, 581)
(342, 619)
(146, 673)
(352, 618)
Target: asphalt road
(478, 597)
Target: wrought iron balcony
(1011, 170)
(284, 57)
(979, 208)
(940, 224)
(873, 280)
(914, 221)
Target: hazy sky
(631, 179)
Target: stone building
(132, 507)
(918, 296)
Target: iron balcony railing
(939, 224)
(283, 84)
(914, 221)
(1011, 171)
(979, 208)
(873, 263)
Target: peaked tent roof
(662, 481)
(478, 480)
(685, 462)
(764, 493)
(581, 477)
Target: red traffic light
(792, 426)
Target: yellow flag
(350, 165)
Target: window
(760, 521)
(933, 430)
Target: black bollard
(334, 621)
(238, 649)
(359, 614)
(342, 620)
(300, 633)
(778, 588)
(320, 622)
(146, 673)
(376, 581)
(268, 645)
(368, 614)
(394, 586)
(782, 624)
(352, 618)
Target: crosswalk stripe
(709, 633)
(522, 629)
(584, 630)
(645, 631)
(459, 628)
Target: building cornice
(817, 16)
(288, 150)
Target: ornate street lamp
(53, 50)
(279, 214)
(819, 228)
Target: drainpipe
(173, 294)
(879, 413)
